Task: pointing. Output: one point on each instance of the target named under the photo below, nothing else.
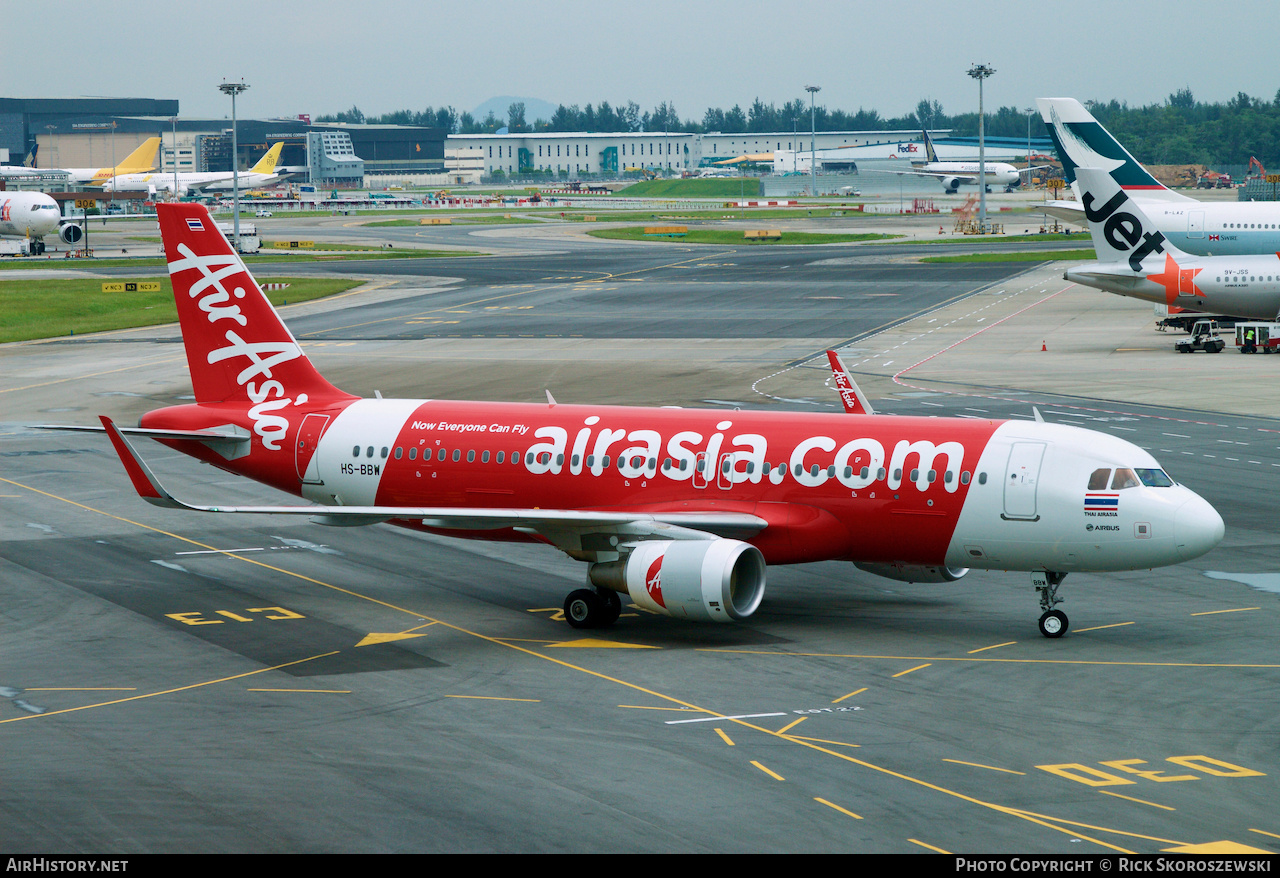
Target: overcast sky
(384, 55)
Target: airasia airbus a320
(681, 510)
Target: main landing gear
(1053, 623)
(592, 608)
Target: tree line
(1179, 130)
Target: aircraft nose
(1197, 528)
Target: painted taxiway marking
(929, 847)
(772, 774)
(844, 811)
(988, 767)
(992, 646)
(994, 661)
(496, 698)
(850, 695)
(171, 691)
(814, 746)
(708, 719)
(1139, 801)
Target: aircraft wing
(1067, 211)
(916, 172)
(561, 527)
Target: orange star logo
(1176, 281)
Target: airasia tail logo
(267, 394)
(653, 582)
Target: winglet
(144, 481)
(855, 403)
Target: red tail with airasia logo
(247, 369)
(238, 348)
(678, 509)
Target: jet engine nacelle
(701, 580)
(70, 233)
(915, 572)
(951, 184)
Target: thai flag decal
(195, 225)
(1101, 502)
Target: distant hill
(534, 108)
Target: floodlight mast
(813, 141)
(981, 72)
(233, 89)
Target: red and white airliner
(679, 509)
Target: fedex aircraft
(679, 509)
(261, 174)
(1202, 228)
(1136, 259)
(952, 174)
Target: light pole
(233, 89)
(813, 141)
(173, 156)
(981, 72)
(1030, 111)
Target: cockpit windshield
(1155, 478)
(1126, 477)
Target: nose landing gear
(1053, 623)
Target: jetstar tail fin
(855, 403)
(238, 348)
(267, 164)
(1121, 231)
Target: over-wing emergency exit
(680, 510)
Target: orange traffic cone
(1044, 346)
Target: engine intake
(915, 572)
(701, 580)
(70, 233)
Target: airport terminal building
(98, 132)
(573, 154)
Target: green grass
(729, 236)
(1008, 239)
(267, 256)
(469, 220)
(713, 187)
(1033, 256)
(31, 309)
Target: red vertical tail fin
(238, 348)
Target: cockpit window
(1098, 479)
(1124, 478)
(1155, 478)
